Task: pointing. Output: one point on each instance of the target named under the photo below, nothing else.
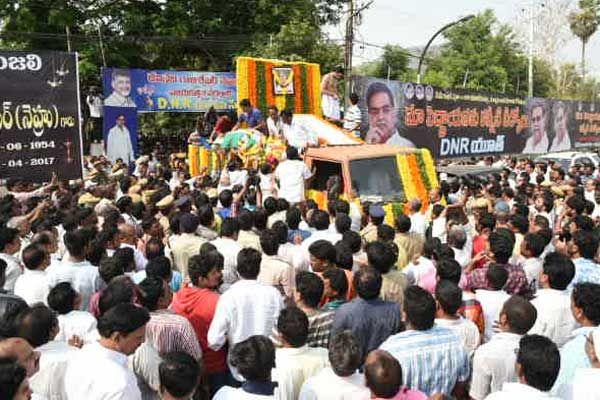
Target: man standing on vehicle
(291, 174)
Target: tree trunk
(583, 43)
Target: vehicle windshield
(377, 177)
(565, 163)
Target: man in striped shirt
(166, 331)
(352, 116)
(433, 358)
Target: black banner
(450, 123)
(461, 123)
(40, 130)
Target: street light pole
(451, 24)
(530, 61)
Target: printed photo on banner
(380, 102)
(120, 84)
(165, 90)
(120, 134)
(283, 80)
(551, 126)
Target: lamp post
(451, 24)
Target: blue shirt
(585, 271)
(293, 232)
(175, 283)
(253, 118)
(432, 361)
(572, 357)
(371, 321)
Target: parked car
(568, 158)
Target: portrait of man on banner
(121, 89)
(383, 116)
(120, 127)
(560, 118)
(283, 80)
(538, 132)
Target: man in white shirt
(76, 270)
(492, 299)
(274, 122)
(65, 301)
(537, 365)
(494, 362)
(295, 362)
(122, 330)
(291, 175)
(33, 285)
(342, 380)
(532, 247)
(418, 223)
(187, 244)
(247, 308)
(118, 142)
(128, 238)
(553, 301)
(39, 325)
(296, 135)
(228, 246)
(352, 116)
(10, 245)
(274, 270)
(449, 298)
(320, 221)
(457, 239)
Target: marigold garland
(270, 90)
(261, 87)
(422, 170)
(297, 89)
(251, 82)
(316, 89)
(242, 82)
(257, 86)
(430, 168)
(416, 178)
(409, 189)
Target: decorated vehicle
(378, 173)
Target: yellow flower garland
(410, 191)
(430, 168)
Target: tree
(483, 54)
(392, 64)
(584, 24)
(300, 40)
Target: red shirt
(198, 306)
(479, 246)
(223, 125)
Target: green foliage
(482, 50)
(175, 34)
(300, 40)
(394, 61)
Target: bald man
(22, 351)
(383, 376)
(128, 238)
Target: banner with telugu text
(163, 90)
(40, 130)
(464, 123)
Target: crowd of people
(159, 285)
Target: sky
(412, 23)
